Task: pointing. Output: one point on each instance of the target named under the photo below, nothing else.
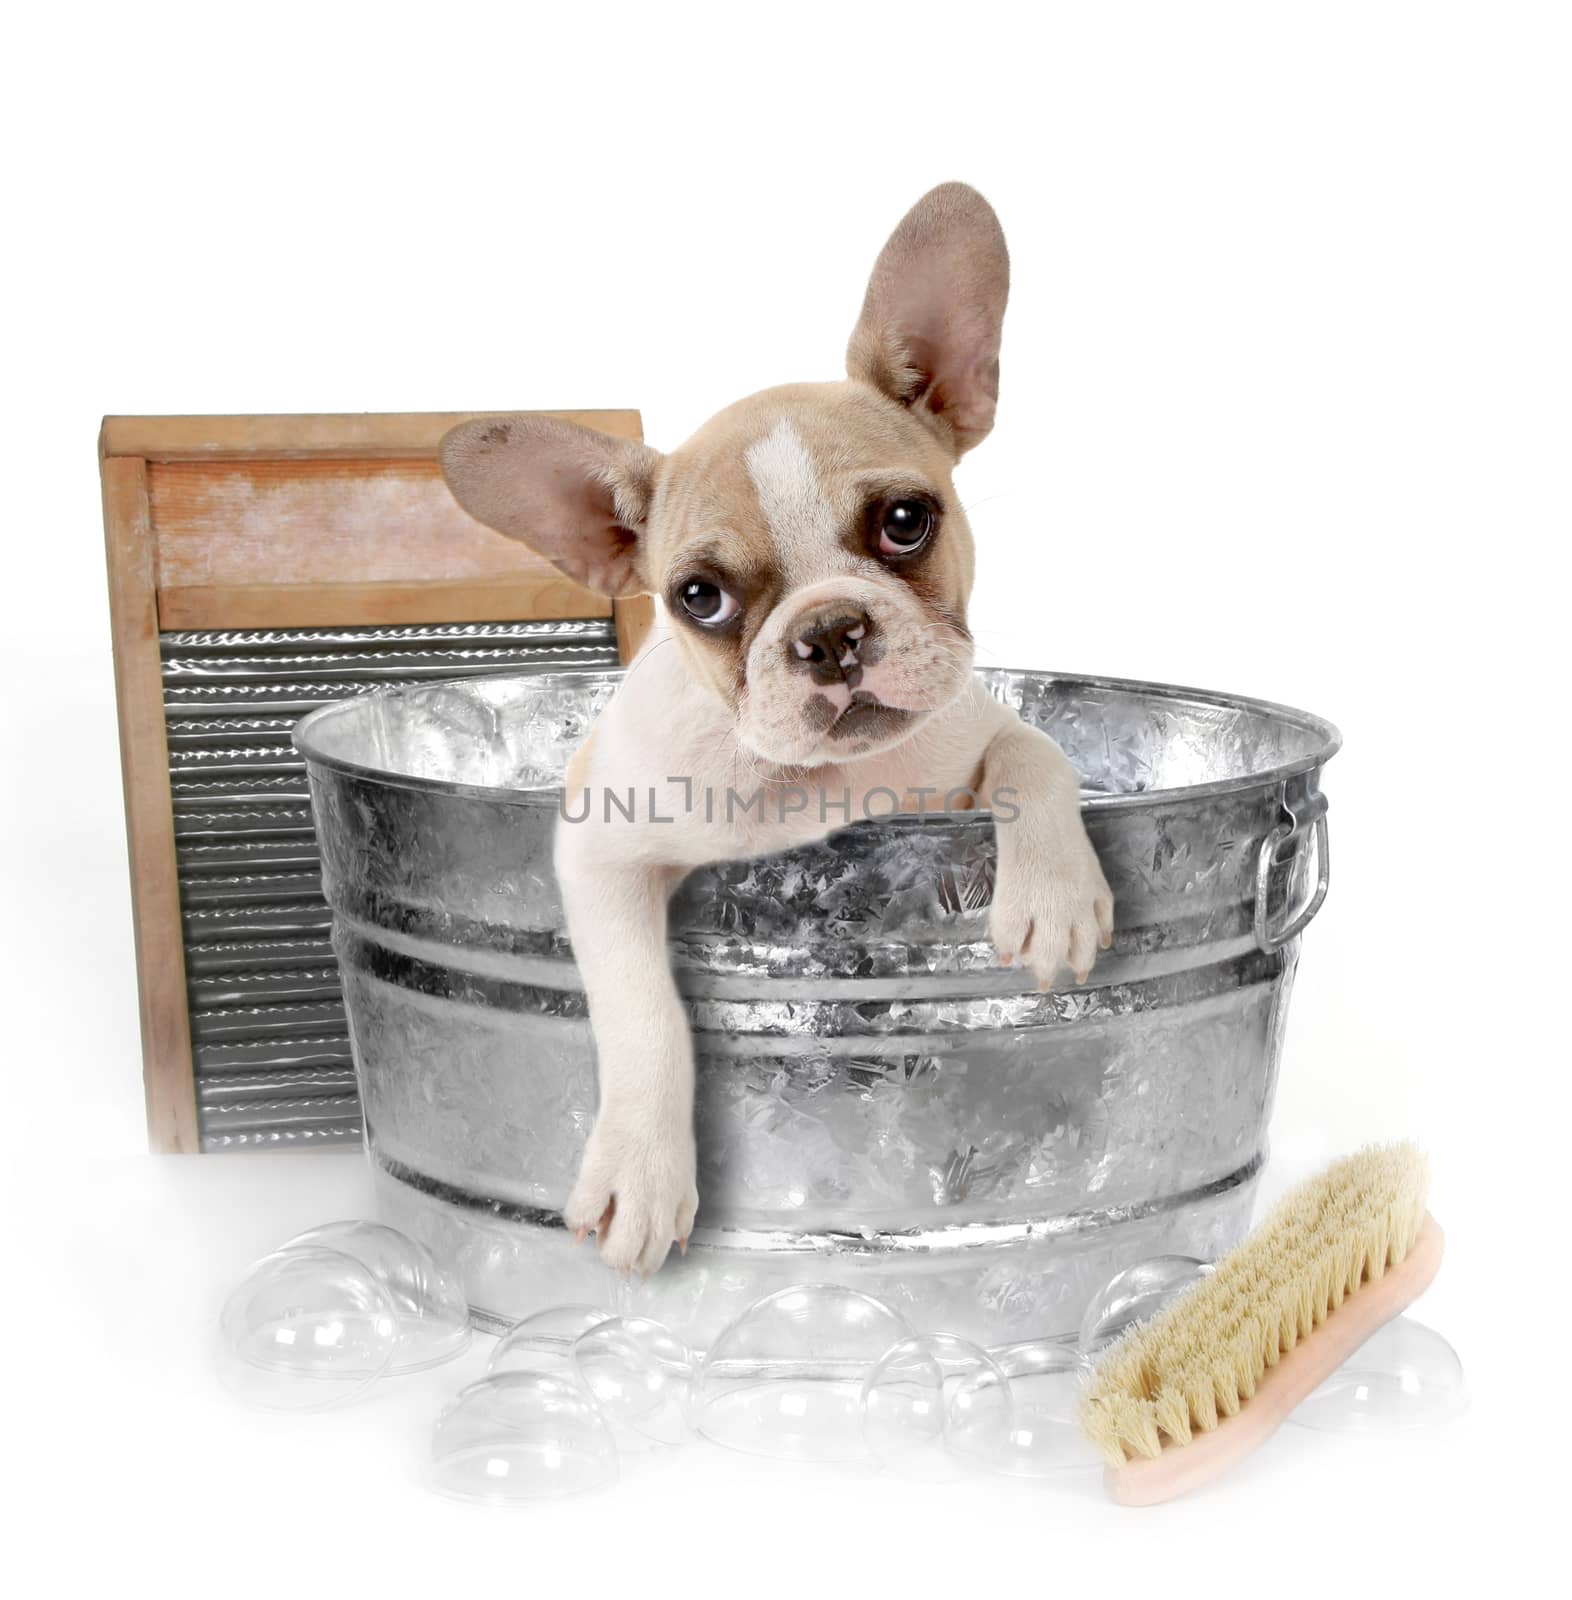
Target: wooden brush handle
(1181, 1468)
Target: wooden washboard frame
(278, 522)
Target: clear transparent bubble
(306, 1328)
(1404, 1375)
(786, 1377)
(641, 1375)
(544, 1340)
(1136, 1295)
(429, 1306)
(1037, 1435)
(932, 1401)
(517, 1437)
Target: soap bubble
(521, 1436)
(429, 1306)
(1404, 1375)
(932, 1400)
(543, 1341)
(1040, 1434)
(786, 1377)
(305, 1329)
(1136, 1295)
(640, 1374)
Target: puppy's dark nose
(828, 648)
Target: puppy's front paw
(636, 1192)
(1051, 907)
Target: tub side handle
(1304, 818)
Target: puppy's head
(807, 541)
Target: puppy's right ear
(579, 498)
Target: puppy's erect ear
(930, 325)
(579, 498)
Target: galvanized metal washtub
(878, 1103)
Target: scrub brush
(1182, 1398)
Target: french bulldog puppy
(811, 665)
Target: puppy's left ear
(931, 320)
(579, 498)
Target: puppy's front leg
(1051, 903)
(636, 1185)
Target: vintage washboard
(260, 566)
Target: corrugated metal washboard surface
(268, 1034)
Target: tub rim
(305, 738)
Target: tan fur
(779, 500)
(577, 774)
(859, 441)
(929, 330)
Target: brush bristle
(1199, 1360)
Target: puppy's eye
(707, 603)
(904, 527)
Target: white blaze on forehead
(791, 497)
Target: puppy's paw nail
(1081, 977)
(682, 1245)
(1106, 941)
(579, 1236)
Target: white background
(1285, 411)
